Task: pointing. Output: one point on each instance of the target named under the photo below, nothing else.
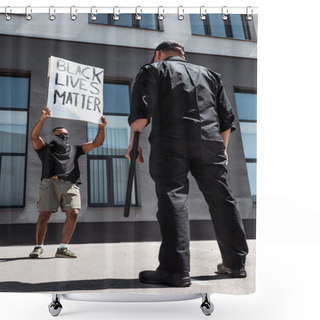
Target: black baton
(133, 156)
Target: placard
(75, 91)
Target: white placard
(75, 91)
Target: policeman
(191, 123)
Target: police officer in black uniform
(191, 123)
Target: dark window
(236, 26)
(247, 112)
(148, 21)
(116, 98)
(14, 99)
(14, 92)
(107, 167)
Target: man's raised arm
(36, 140)
(99, 139)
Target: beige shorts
(57, 192)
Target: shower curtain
(112, 249)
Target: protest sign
(75, 91)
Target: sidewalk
(114, 267)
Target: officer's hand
(140, 154)
(227, 158)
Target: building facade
(120, 48)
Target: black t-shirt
(64, 165)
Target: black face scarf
(60, 143)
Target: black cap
(167, 45)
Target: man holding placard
(75, 91)
(60, 181)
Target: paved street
(114, 267)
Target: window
(148, 21)
(14, 100)
(107, 167)
(236, 26)
(247, 111)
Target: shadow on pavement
(209, 278)
(23, 258)
(85, 285)
(79, 285)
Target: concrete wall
(81, 31)
(25, 48)
(31, 55)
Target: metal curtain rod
(138, 9)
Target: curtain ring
(160, 15)
(116, 16)
(138, 16)
(224, 13)
(73, 16)
(28, 16)
(93, 16)
(249, 16)
(180, 15)
(6, 15)
(203, 13)
(52, 16)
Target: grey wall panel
(31, 55)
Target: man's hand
(137, 125)
(225, 137)
(103, 122)
(45, 113)
(226, 154)
(36, 140)
(140, 154)
(99, 139)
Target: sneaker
(233, 273)
(36, 253)
(65, 253)
(165, 278)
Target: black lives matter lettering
(77, 85)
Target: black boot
(232, 273)
(165, 278)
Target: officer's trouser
(170, 162)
